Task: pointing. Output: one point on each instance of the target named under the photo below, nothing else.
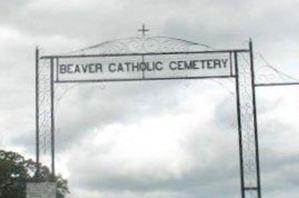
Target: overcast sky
(174, 139)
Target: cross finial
(143, 30)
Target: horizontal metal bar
(276, 84)
(138, 79)
(250, 188)
(142, 54)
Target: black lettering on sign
(135, 66)
(111, 67)
(68, 68)
(181, 65)
(157, 65)
(127, 66)
(195, 64)
(80, 68)
(143, 66)
(85, 67)
(210, 64)
(224, 62)
(172, 65)
(98, 67)
(77, 69)
(120, 67)
(62, 69)
(217, 63)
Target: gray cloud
(214, 173)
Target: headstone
(41, 190)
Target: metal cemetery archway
(153, 58)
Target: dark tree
(15, 171)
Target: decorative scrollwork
(266, 73)
(142, 45)
(247, 125)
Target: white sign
(41, 190)
(142, 67)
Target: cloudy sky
(174, 139)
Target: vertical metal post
(143, 70)
(37, 111)
(52, 118)
(239, 125)
(255, 119)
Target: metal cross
(143, 30)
